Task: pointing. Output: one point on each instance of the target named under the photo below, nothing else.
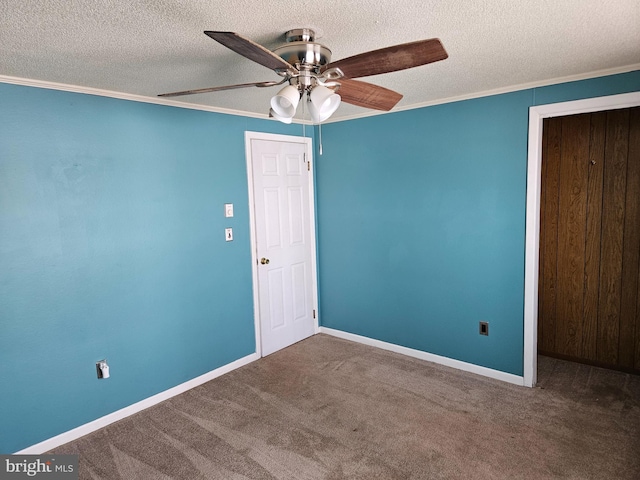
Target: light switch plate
(228, 234)
(228, 210)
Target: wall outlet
(484, 328)
(102, 369)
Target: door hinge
(314, 313)
(308, 166)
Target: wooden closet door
(589, 272)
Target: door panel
(630, 303)
(299, 290)
(296, 216)
(572, 191)
(549, 235)
(273, 228)
(614, 187)
(281, 193)
(593, 234)
(275, 301)
(589, 301)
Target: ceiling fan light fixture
(273, 114)
(315, 115)
(285, 103)
(324, 102)
(315, 118)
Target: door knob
(264, 261)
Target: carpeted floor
(327, 408)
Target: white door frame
(532, 235)
(248, 137)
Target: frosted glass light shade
(315, 115)
(273, 114)
(284, 104)
(313, 111)
(324, 102)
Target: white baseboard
(101, 422)
(430, 357)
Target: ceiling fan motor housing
(301, 51)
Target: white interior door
(284, 241)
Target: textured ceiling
(147, 47)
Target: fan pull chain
(304, 117)
(304, 113)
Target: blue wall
(112, 246)
(111, 241)
(421, 220)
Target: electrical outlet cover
(484, 328)
(228, 210)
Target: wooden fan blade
(367, 95)
(391, 59)
(250, 50)
(217, 89)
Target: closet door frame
(532, 236)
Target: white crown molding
(131, 97)
(369, 113)
(497, 91)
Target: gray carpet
(327, 408)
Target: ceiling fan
(307, 68)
